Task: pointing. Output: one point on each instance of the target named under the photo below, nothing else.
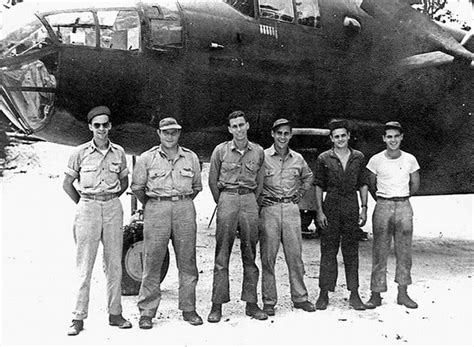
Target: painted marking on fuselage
(268, 30)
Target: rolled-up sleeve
(306, 178)
(215, 167)
(197, 182)
(362, 179)
(139, 176)
(320, 175)
(123, 165)
(73, 165)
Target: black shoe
(145, 322)
(404, 299)
(119, 321)
(355, 302)
(192, 317)
(216, 313)
(305, 306)
(374, 301)
(323, 300)
(269, 309)
(252, 310)
(76, 327)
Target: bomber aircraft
(311, 61)
(369, 61)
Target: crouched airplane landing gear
(133, 256)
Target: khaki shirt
(285, 177)
(231, 169)
(98, 174)
(159, 176)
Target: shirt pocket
(114, 167)
(112, 175)
(229, 167)
(186, 178)
(187, 172)
(88, 176)
(269, 173)
(290, 173)
(251, 167)
(157, 173)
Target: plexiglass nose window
(74, 28)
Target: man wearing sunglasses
(100, 167)
(166, 179)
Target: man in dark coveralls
(233, 182)
(340, 172)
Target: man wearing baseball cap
(100, 167)
(393, 178)
(166, 179)
(286, 177)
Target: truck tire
(132, 259)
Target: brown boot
(404, 299)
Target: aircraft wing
(432, 59)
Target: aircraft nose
(27, 94)
(28, 61)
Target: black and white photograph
(236, 172)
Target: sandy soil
(38, 278)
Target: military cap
(169, 123)
(97, 111)
(393, 125)
(281, 121)
(338, 124)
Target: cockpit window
(307, 13)
(277, 9)
(119, 29)
(246, 7)
(74, 28)
(165, 23)
(20, 35)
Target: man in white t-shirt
(393, 178)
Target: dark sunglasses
(106, 125)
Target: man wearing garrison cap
(166, 179)
(100, 168)
(285, 177)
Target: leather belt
(240, 191)
(396, 198)
(103, 197)
(172, 198)
(285, 200)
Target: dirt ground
(38, 278)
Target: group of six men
(257, 192)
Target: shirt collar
(163, 154)
(93, 147)
(234, 147)
(274, 152)
(334, 155)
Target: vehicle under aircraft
(311, 61)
